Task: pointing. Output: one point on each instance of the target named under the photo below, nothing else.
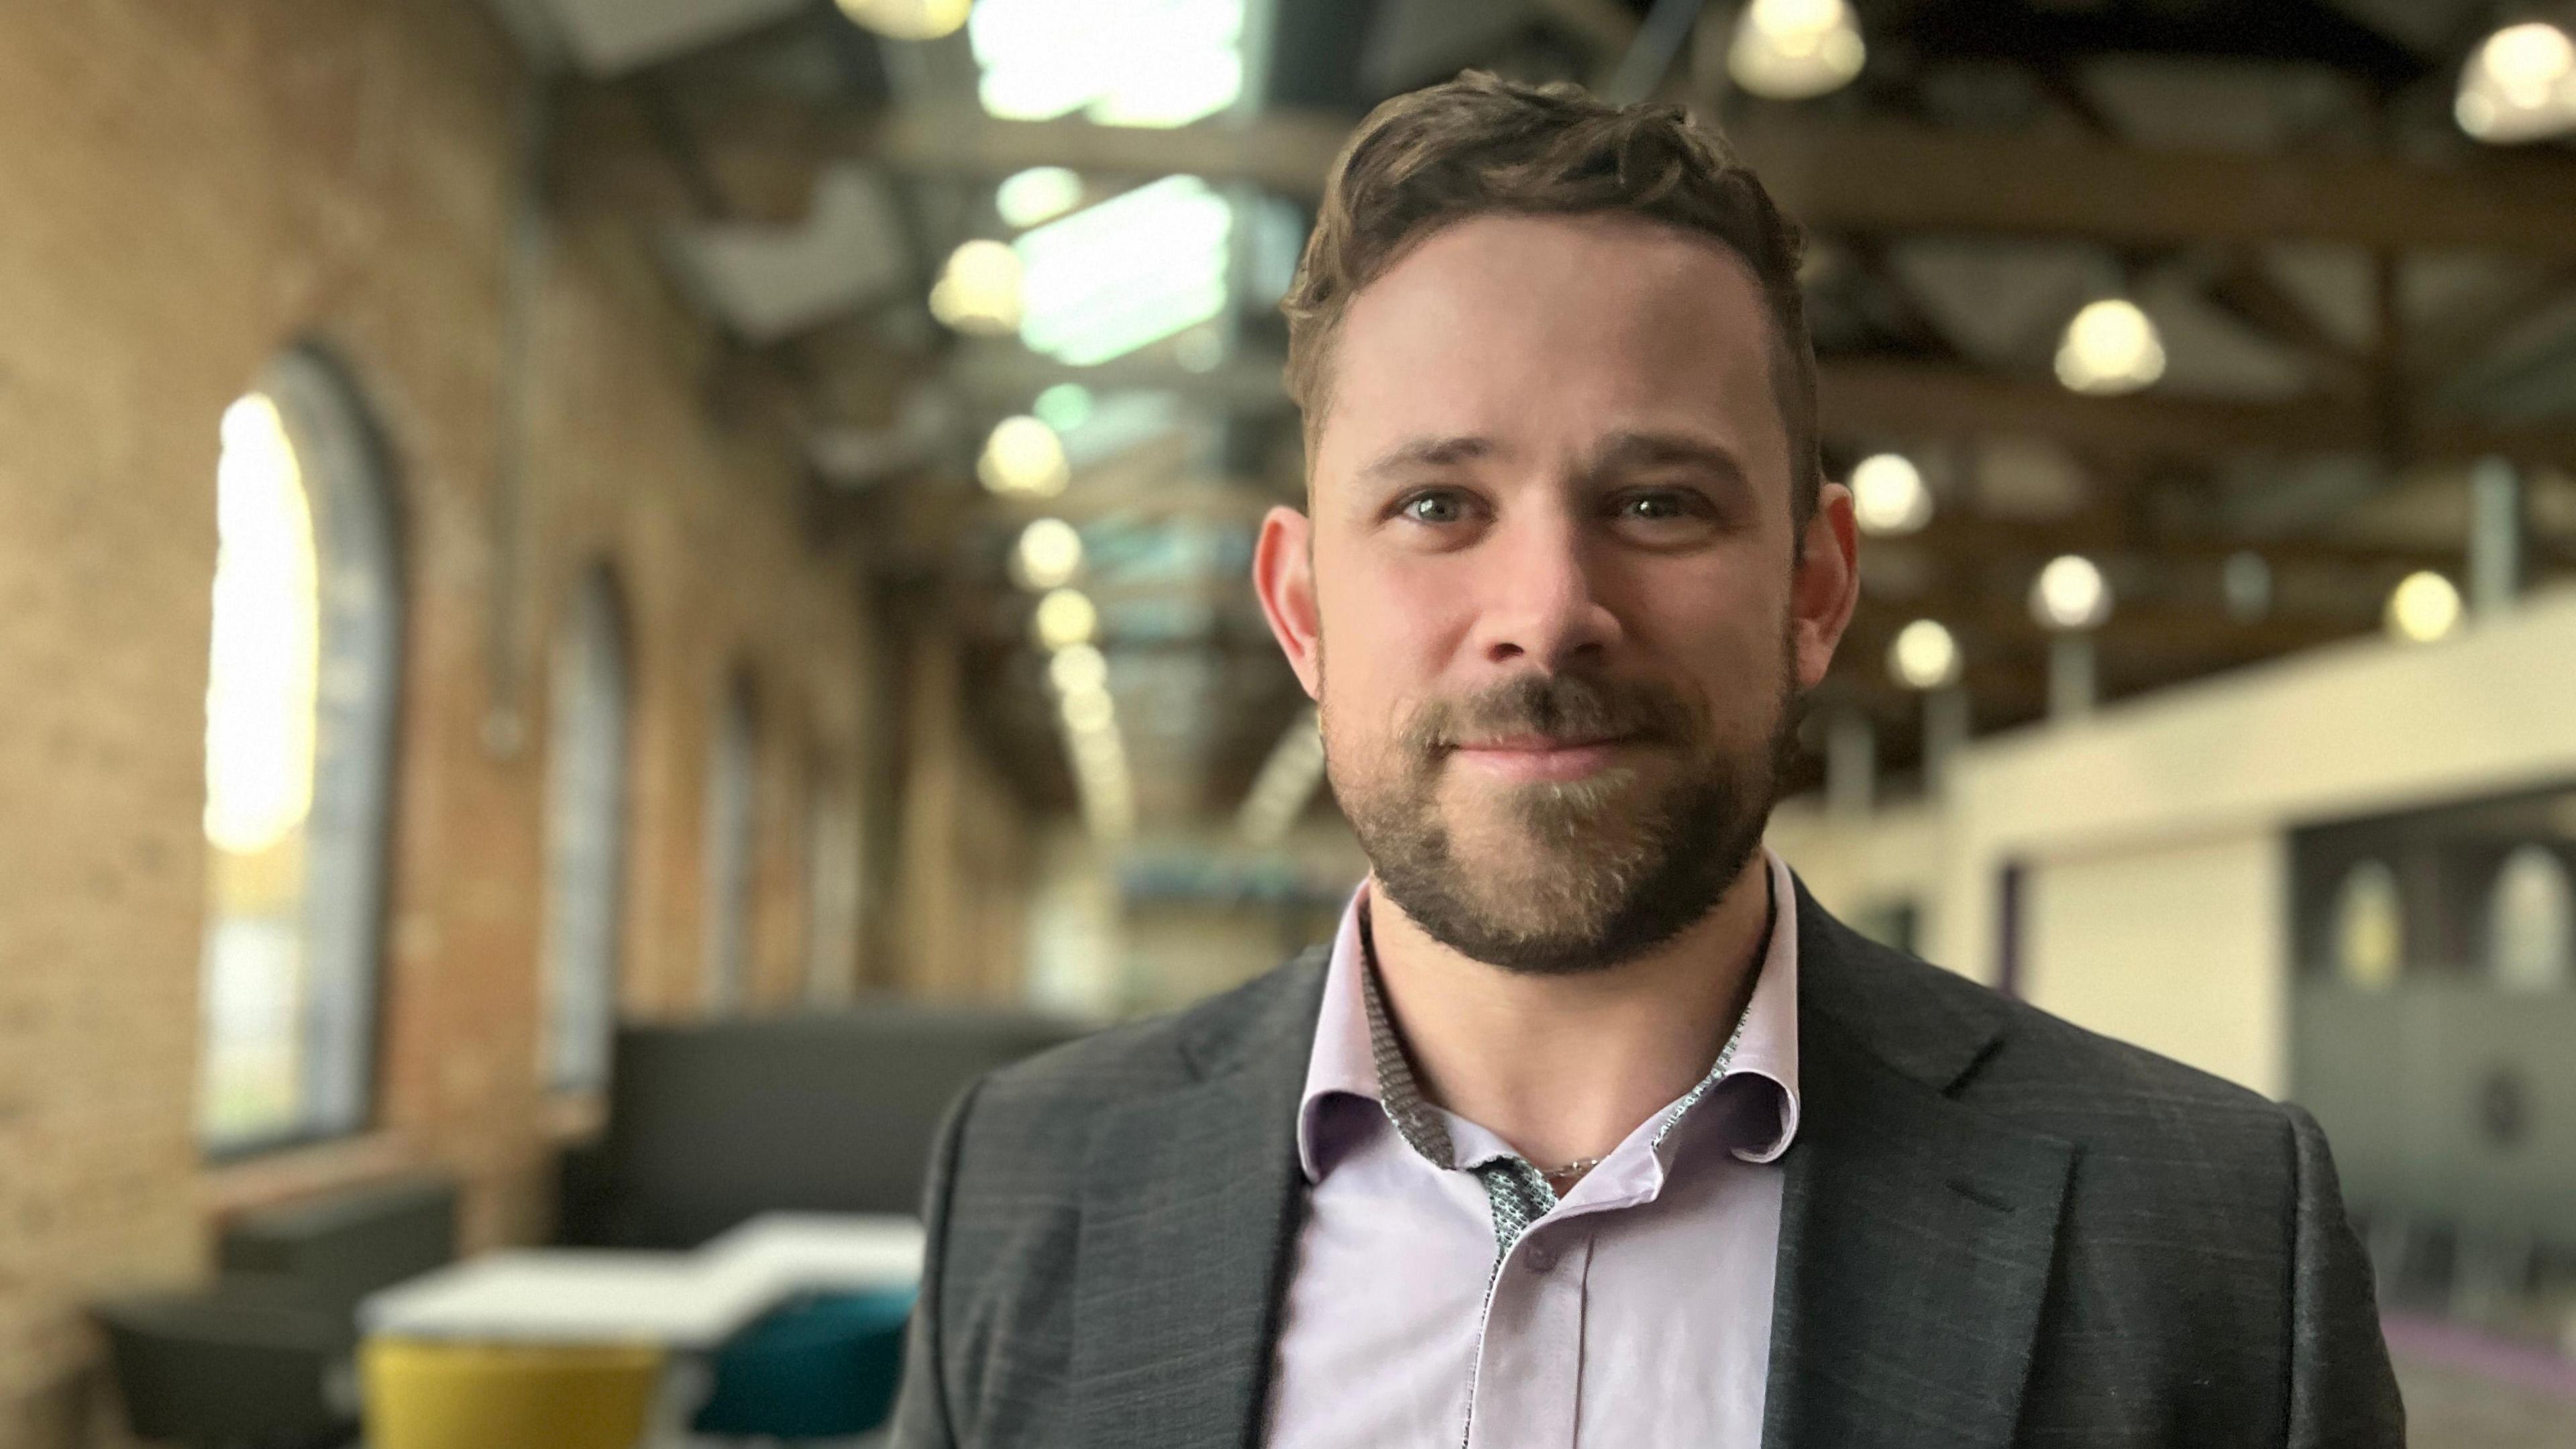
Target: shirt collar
(1344, 1061)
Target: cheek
(1386, 640)
(1728, 633)
(1389, 624)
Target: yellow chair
(424, 1394)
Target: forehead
(1550, 331)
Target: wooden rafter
(1908, 178)
(1833, 176)
(1879, 399)
(1865, 401)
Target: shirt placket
(1525, 1377)
(1526, 1384)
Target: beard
(1565, 877)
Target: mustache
(1556, 707)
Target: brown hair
(1479, 145)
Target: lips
(1538, 758)
(1541, 744)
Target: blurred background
(600, 600)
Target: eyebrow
(1620, 452)
(1624, 451)
(1417, 453)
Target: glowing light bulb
(1888, 496)
(978, 292)
(2070, 594)
(2528, 61)
(1023, 456)
(2520, 85)
(1048, 554)
(2423, 607)
(1924, 656)
(1041, 193)
(1090, 711)
(2110, 347)
(1795, 49)
(1066, 618)
(1078, 669)
(908, 19)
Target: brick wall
(190, 188)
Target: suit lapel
(1188, 1220)
(1916, 1233)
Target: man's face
(1551, 548)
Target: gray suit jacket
(1995, 1229)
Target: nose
(1542, 603)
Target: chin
(1535, 874)
(1549, 804)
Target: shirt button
(1541, 1257)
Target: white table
(564, 1296)
(788, 1253)
(685, 1303)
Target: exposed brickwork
(190, 188)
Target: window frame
(353, 492)
(732, 845)
(591, 709)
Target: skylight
(1128, 272)
(1117, 62)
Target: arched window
(2531, 922)
(585, 833)
(833, 860)
(301, 698)
(2369, 927)
(733, 837)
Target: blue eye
(1433, 508)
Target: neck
(1565, 1067)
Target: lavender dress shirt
(1634, 1311)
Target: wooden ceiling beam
(1607, 26)
(2002, 542)
(2249, 293)
(2449, 345)
(1875, 177)
(1906, 178)
(2181, 633)
(1869, 399)
(1894, 177)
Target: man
(1592, 1128)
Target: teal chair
(819, 1368)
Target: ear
(1826, 585)
(1283, 574)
